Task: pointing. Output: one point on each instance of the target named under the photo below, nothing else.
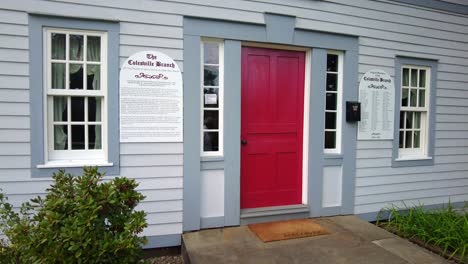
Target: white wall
(212, 193)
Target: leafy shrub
(446, 228)
(81, 220)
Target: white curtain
(60, 136)
(58, 69)
(94, 78)
(97, 128)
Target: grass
(446, 229)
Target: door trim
(234, 33)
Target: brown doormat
(282, 230)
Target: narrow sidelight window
(75, 74)
(212, 98)
(333, 91)
(414, 112)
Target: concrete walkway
(351, 241)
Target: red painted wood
(272, 124)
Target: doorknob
(244, 141)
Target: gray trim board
(370, 217)
(163, 241)
(437, 4)
(36, 25)
(235, 33)
(399, 62)
(212, 222)
(280, 28)
(349, 131)
(232, 132)
(318, 81)
(192, 174)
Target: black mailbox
(353, 111)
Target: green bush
(82, 219)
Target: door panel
(272, 127)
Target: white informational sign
(150, 99)
(377, 97)
(211, 99)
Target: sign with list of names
(150, 99)
(377, 97)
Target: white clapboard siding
(386, 29)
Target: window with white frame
(75, 95)
(414, 111)
(212, 98)
(333, 91)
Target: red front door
(272, 127)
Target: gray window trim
(36, 25)
(234, 34)
(399, 62)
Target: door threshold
(274, 213)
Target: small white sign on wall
(377, 97)
(150, 99)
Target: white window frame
(422, 151)
(220, 130)
(72, 158)
(339, 106)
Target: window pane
(331, 101)
(409, 120)
(330, 120)
(332, 63)
(93, 77)
(422, 98)
(413, 97)
(95, 137)
(402, 119)
(60, 137)
(401, 139)
(332, 82)
(422, 78)
(211, 76)
(405, 77)
(76, 76)
(404, 97)
(330, 139)
(76, 47)
(77, 109)
(408, 139)
(211, 53)
(211, 97)
(78, 136)
(93, 52)
(60, 108)
(414, 77)
(210, 119)
(94, 109)
(58, 76)
(417, 139)
(58, 46)
(210, 141)
(417, 120)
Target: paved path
(351, 241)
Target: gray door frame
(278, 29)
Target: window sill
(412, 161)
(74, 164)
(413, 158)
